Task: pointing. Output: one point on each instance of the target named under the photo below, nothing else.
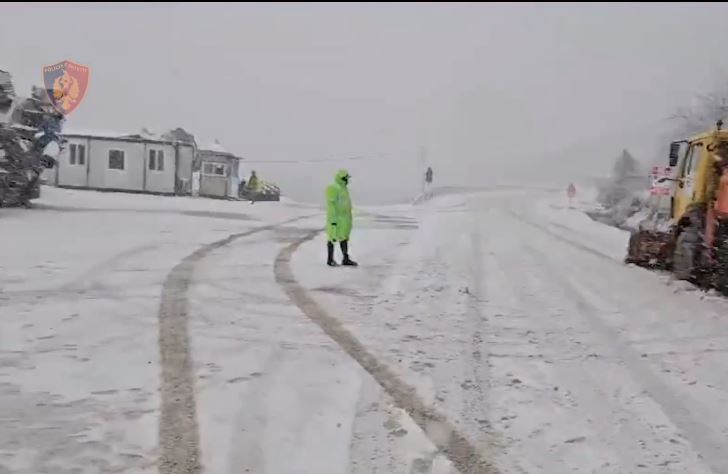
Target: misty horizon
(492, 92)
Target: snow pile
(625, 213)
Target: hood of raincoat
(340, 175)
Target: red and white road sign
(661, 181)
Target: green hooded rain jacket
(338, 209)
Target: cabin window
(693, 159)
(116, 160)
(214, 169)
(156, 160)
(77, 154)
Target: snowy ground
(496, 332)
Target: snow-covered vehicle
(260, 191)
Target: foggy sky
(492, 91)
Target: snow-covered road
(488, 333)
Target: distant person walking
(339, 218)
(570, 193)
(428, 182)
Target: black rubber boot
(345, 250)
(330, 260)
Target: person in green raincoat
(338, 218)
(252, 186)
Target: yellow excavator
(694, 246)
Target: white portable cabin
(218, 177)
(134, 163)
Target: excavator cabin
(699, 164)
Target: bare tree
(703, 114)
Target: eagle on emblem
(66, 91)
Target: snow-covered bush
(624, 197)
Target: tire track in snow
(179, 438)
(560, 237)
(480, 406)
(443, 434)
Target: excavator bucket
(649, 248)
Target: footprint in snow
(238, 379)
(105, 392)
